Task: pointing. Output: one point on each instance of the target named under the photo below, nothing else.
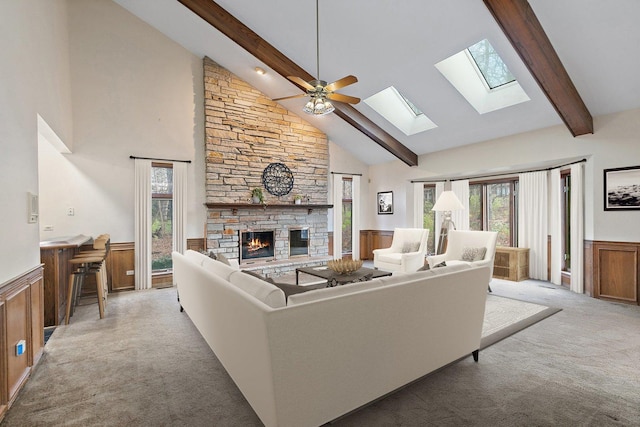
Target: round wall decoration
(277, 178)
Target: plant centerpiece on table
(344, 266)
(297, 199)
(257, 196)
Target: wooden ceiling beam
(521, 26)
(242, 35)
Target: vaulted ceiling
(573, 58)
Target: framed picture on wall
(385, 202)
(622, 189)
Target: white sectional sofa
(308, 359)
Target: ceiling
(386, 42)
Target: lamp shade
(448, 202)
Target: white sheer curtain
(355, 217)
(555, 225)
(438, 223)
(179, 206)
(337, 215)
(577, 227)
(142, 224)
(532, 221)
(418, 205)
(461, 190)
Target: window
(482, 77)
(347, 209)
(399, 111)
(493, 69)
(493, 206)
(429, 217)
(565, 181)
(161, 216)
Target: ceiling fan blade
(300, 82)
(343, 98)
(290, 97)
(338, 84)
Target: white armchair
(467, 247)
(407, 251)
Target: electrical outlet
(71, 211)
(21, 347)
(130, 272)
(48, 228)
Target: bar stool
(85, 263)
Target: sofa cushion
(195, 256)
(218, 268)
(450, 267)
(320, 294)
(223, 259)
(420, 274)
(426, 266)
(261, 290)
(473, 254)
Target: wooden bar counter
(55, 254)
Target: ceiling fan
(319, 92)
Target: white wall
(135, 92)
(613, 144)
(34, 79)
(342, 161)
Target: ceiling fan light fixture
(318, 106)
(319, 92)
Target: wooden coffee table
(326, 273)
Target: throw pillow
(473, 254)
(410, 247)
(223, 259)
(212, 255)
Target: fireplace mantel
(265, 206)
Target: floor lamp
(446, 203)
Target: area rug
(505, 316)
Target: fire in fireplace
(298, 242)
(257, 245)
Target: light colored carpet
(146, 365)
(505, 316)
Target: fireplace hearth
(257, 245)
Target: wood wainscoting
(612, 270)
(21, 319)
(121, 265)
(369, 240)
(374, 239)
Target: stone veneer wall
(245, 132)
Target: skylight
(493, 69)
(400, 111)
(483, 78)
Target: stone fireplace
(245, 132)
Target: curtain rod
(502, 174)
(345, 173)
(160, 160)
